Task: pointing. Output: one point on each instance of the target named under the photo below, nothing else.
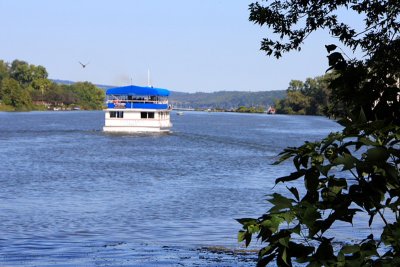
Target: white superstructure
(132, 109)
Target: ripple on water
(74, 196)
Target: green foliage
(26, 87)
(294, 20)
(88, 95)
(3, 70)
(306, 98)
(250, 109)
(61, 94)
(348, 173)
(225, 99)
(339, 184)
(25, 73)
(12, 94)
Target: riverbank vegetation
(243, 109)
(310, 97)
(25, 87)
(349, 176)
(225, 100)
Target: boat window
(116, 114)
(147, 115)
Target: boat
(271, 110)
(179, 113)
(133, 109)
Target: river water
(72, 195)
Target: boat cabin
(137, 109)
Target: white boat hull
(132, 121)
(123, 129)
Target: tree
(348, 173)
(13, 94)
(295, 85)
(317, 90)
(88, 95)
(40, 87)
(3, 70)
(295, 103)
(25, 73)
(21, 83)
(20, 72)
(306, 98)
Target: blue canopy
(137, 90)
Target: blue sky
(188, 45)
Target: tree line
(225, 100)
(25, 86)
(311, 97)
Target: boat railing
(144, 101)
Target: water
(72, 195)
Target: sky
(185, 45)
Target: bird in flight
(83, 65)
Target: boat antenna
(148, 78)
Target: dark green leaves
(244, 236)
(347, 173)
(330, 48)
(291, 177)
(311, 179)
(362, 176)
(280, 202)
(295, 193)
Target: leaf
(295, 193)
(310, 216)
(336, 185)
(367, 141)
(264, 251)
(350, 249)
(244, 236)
(325, 251)
(284, 241)
(241, 235)
(325, 169)
(280, 202)
(272, 223)
(285, 256)
(377, 154)
(330, 47)
(265, 260)
(288, 216)
(335, 58)
(311, 179)
(299, 250)
(345, 215)
(247, 221)
(347, 160)
(296, 229)
(361, 117)
(371, 218)
(291, 177)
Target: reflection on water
(74, 196)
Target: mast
(148, 78)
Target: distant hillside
(67, 82)
(220, 99)
(225, 99)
